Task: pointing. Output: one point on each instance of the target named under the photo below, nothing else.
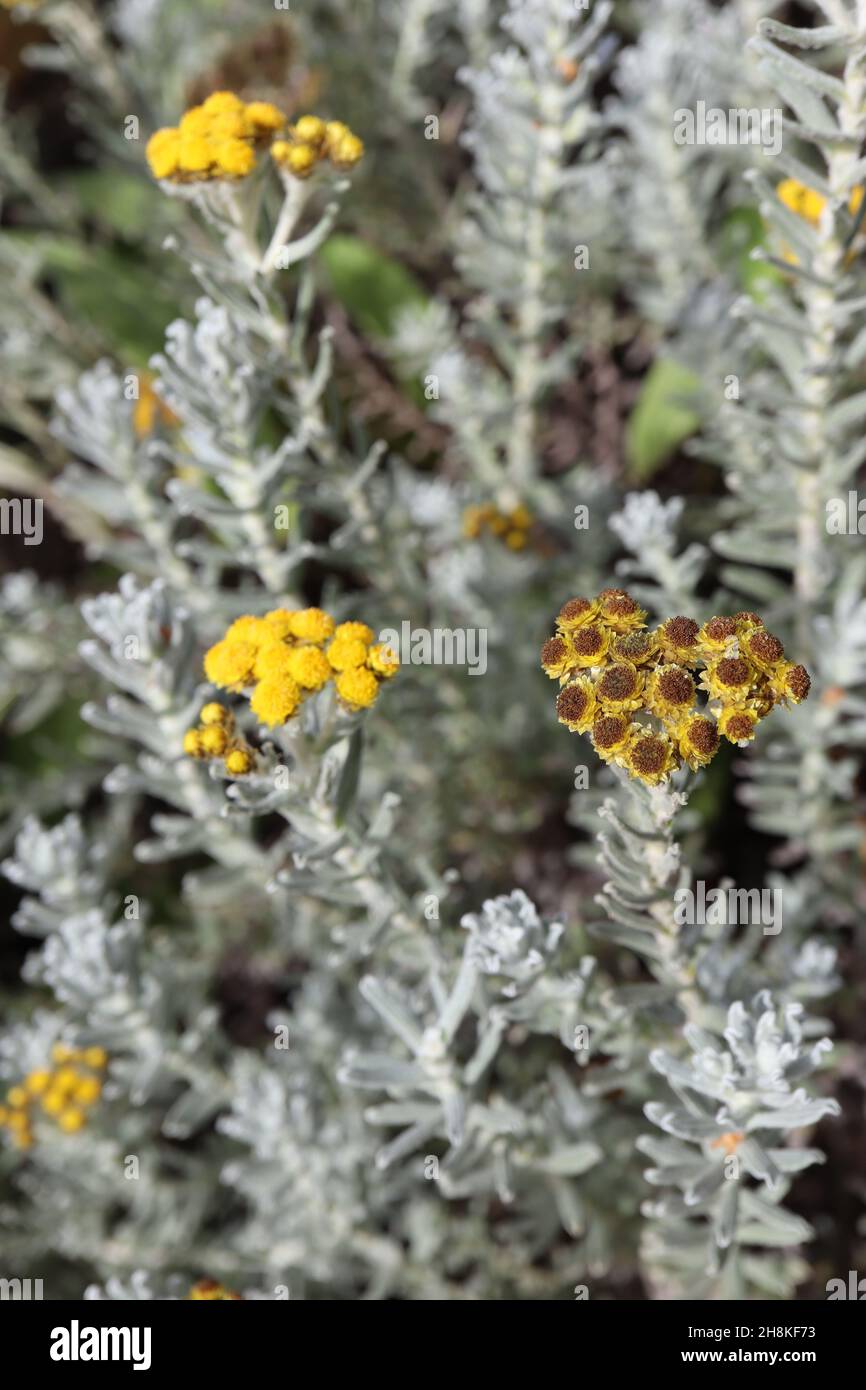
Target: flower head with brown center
(575, 613)
(576, 705)
(620, 688)
(670, 692)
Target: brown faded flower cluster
(636, 691)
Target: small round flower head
(192, 744)
(16, 1096)
(264, 117)
(239, 761)
(275, 699)
(790, 682)
(670, 691)
(678, 640)
(357, 688)
(279, 620)
(747, 621)
(637, 647)
(229, 664)
(590, 645)
(195, 122)
(474, 518)
(575, 613)
(312, 625)
(37, 1082)
(162, 153)
(804, 201)
(698, 740)
(214, 713)
(346, 153)
(272, 659)
(576, 705)
(214, 741)
(62, 1052)
(209, 1291)
(355, 632)
(298, 160)
(95, 1057)
(762, 648)
(610, 733)
(619, 611)
(619, 688)
(649, 756)
(220, 103)
(383, 660)
(717, 635)
(515, 540)
(71, 1120)
(195, 154)
(53, 1101)
(310, 667)
(65, 1079)
(234, 158)
(249, 629)
(229, 125)
(729, 679)
(738, 723)
(346, 652)
(88, 1090)
(334, 132)
(311, 130)
(557, 657)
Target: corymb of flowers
(636, 692)
(278, 662)
(223, 138)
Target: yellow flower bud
(240, 761)
(310, 130)
(71, 1120)
(215, 713)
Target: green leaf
(121, 202)
(744, 231)
(370, 286)
(114, 291)
(662, 418)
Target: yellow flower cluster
(511, 527)
(150, 409)
(215, 738)
(209, 1291)
(220, 139)
(287, 655)
(63, 1092)
(311, 141)
(809, 204)
(613, 669)
(216, 140)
